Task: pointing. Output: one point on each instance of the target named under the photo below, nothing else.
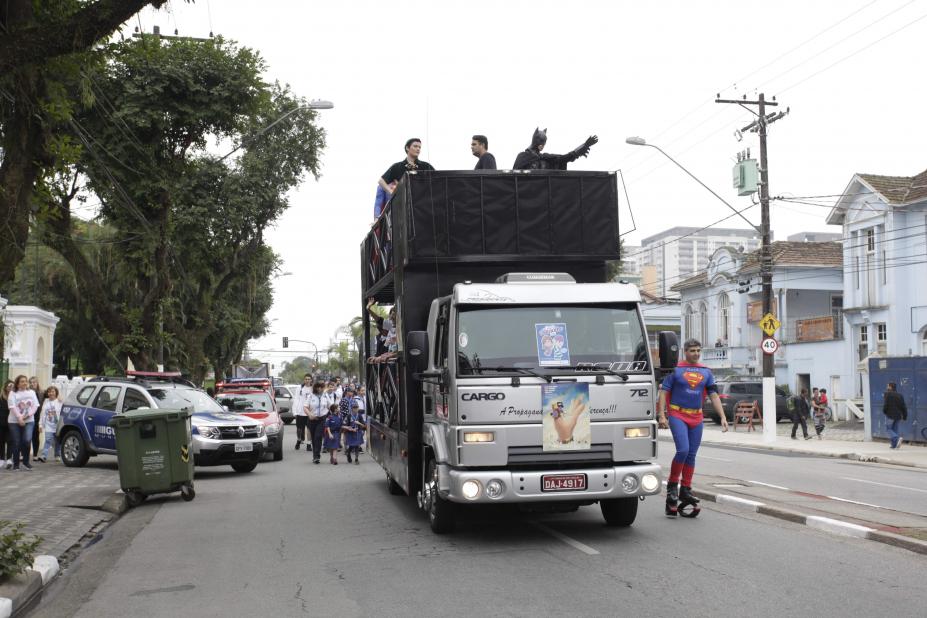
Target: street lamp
(640, 141)
(315, 104)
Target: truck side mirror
(417, 350)
(668, 345)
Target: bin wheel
(187, 493)
(135, 498)
(244, 466)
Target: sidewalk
(841, 440)
(67, 507)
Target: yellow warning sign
(185, 453)
(769, 324)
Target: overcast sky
(444, 70)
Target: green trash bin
(155, 453)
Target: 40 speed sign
(769, 345)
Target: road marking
(571, 542)
(849, 478)
(875, 506)
(751, 505)
(770, 485)
(837, 526)
(715, 459)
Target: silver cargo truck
(518, 375)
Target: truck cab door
(436, 394)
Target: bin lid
(145, 414)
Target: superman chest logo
(693, 378)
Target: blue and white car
(219, 438)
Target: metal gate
(910, 375)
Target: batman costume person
(534, 159)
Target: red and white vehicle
(251, 398)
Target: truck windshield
(549, 336)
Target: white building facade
(722, 306)
(28, 340)
(667, 258)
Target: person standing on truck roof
(410, 164)
(533, 159)
(683, 391)
(479, 146)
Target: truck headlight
(637, 432)
(208, 431)
(471, 489)
(495, 488)
(650, 482)
(479, 436)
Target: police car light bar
(155, 374)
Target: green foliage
(294, 371)
(17, 551)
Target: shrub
(17, 551)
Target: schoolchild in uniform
(354, 437)
(333, 433)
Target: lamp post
(316, 104)
(769, 383)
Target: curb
(866, 458)
(827, 524)
(27, 587)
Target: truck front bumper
(622, 481)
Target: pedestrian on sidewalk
(301, 412)
(894, 408)
(333, 425)
(819, 410)
(23, 406)
(357, 423)
(51, 412)
(683, 392)
(6, 445)
(799, 409)
(318, 404)
(36, 435)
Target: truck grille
(231, 433)
(524, 456)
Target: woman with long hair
(6, 448)
(40, 396)
(23, 405)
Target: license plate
(244, 448)
(563, 482)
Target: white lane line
(750, 505)
(715, 459)
(849, 478)
(875, 506)
(571, 542)
(770, 485)
(837, 526)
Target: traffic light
(286, 342)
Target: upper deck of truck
(447, 219)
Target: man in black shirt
(479, 146)
(410, 164)
(895, 409)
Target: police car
(219, 438)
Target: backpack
(791, 404)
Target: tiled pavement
(59, 504)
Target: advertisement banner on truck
(553, 345)
(566, 416)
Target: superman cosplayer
(686, 389)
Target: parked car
(257, 404)
(219, 438)
(733, 390)
(284, 397)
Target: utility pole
(763, 120)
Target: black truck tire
(244, 466)
(394, 488)
(619, 512)
(442, 515)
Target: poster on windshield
(553, 345)
(566, 416)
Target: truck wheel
(278, 454)
(74, 451)
(395, 489)
(619, 512)
(441, 513)
(244, 466)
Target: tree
(294, 371)
(43, 47)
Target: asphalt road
(897, 488)
(295, 539)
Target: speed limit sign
(769, 345)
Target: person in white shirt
(51, 412)
(23, 406)
(301, 412)
(317, 405)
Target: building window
(687, 325)
(724, 319)
(870, 240)
(836, 310)
(881, 332)
(703, 324)
(856, 270)
(924, 344)
(863, 342)
(884, 268)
